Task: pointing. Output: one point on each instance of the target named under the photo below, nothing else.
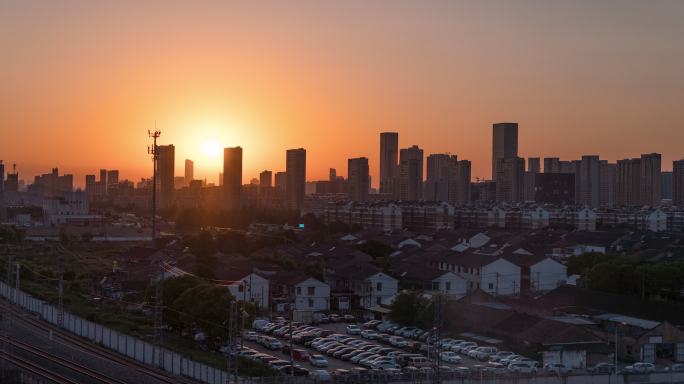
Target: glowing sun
(211, 148)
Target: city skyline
(596, 85)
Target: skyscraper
(650, 179)
(112, 178)
(295, 188)
(358, 179)
(389, 147)
(440, 167)
(666, 185)
(510, 179)
(232, 178)
(678, 183)
(505, 143)
(411, 173)
(189, 172)
(3, 212)
(459, 182)
(551, 165)
(166, 164)
(589, 179)
(266, 179)
(281, 180)
(628, 175)
(608, 197)
(533, 165)
(103, 180)
(90, 185)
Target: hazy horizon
(84, 81)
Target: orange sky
(82, 81)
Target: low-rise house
(362, 285)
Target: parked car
(293, 370)
(340, 373)
(679, 367)
(320, 375)
(408, 332)
(383, 365)
(467, 347)
(369, 334)
(482, 353)
(450, 357)
(640, 368)
(353, 329)
(497, 357)
(602, 368)
(348, 318)
(557, 368)
(398, 341)
(459, 347)
(318, 361)
(371, 324)
(521, 367)
(334, 318)
(273, 344)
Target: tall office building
(358, 179)
(232, 178)
(666, 185)
(628, 178)
(103, 180)
(189, 172)
(608, 181)
(266, 179)
(389, 148)
(678, 183)
(90, 185)
(3, 212)
(295, 188)
(505, 143)
(281, 180)
(551, 165)
(112, 178)
(650, 179)
(588, 182)
(510, 176)
(440, 168)
(459, 182)
(533, 165)
(411, 173)
(332, 174)
(12, 182)
(166, 164)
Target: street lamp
(616, 349)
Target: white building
(376, 289)
(312, 295)
(586, 220)
(252, 288)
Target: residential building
(459, 183)
(510, 179)
(628, 179)
(588, 182)
(189, 174)
(440, 168)
(533, 165)
(295, 188)
(311, 294)
(358, 179)
(608, 181)
(389, 149)
(650, 180)
(411, 173)
(505, 143)
(166, 155)
(551, 165)
(232, 178)
(678, 183)
(666, 185)
(554, 188)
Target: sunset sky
(81, 82)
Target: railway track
(95, 349)
(35, 369)
(75, 367)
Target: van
(258, 324)
(418, 362)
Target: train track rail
(95, 349)
(75, 367)
(35, 369)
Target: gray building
(295, 187)
(666, 185)
(440, 167)
(505, 143)
(389, 150)
(588, 182)
(232, 178)
(411, 173)
(165, 175)
(189, 174)
(510, 180)
(678, 183)
(358, 179)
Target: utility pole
(60, 303)
(18, 284)
(154, 151)
(158, 305)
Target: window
(311, 291)
(299, 290)
(491, 285)
(448, 286)
(241, 288)
(378, 300)
(311, 303)
(378, 287)
(435, 285)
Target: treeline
(192, 304)
(629, 275)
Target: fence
(138, 350)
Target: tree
(412, 308)
(173, 289)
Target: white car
(640, 368)
(353, 329)
(501, 355)
(522, 367)
(250, 336)
(369, 334)
(318, 361)
(383, 365)
(482, 353)
(398, 341)
(450, 357)
(320, 375)
(466, 347)
(557, 368)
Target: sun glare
(211, 148)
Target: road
(23, 339)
